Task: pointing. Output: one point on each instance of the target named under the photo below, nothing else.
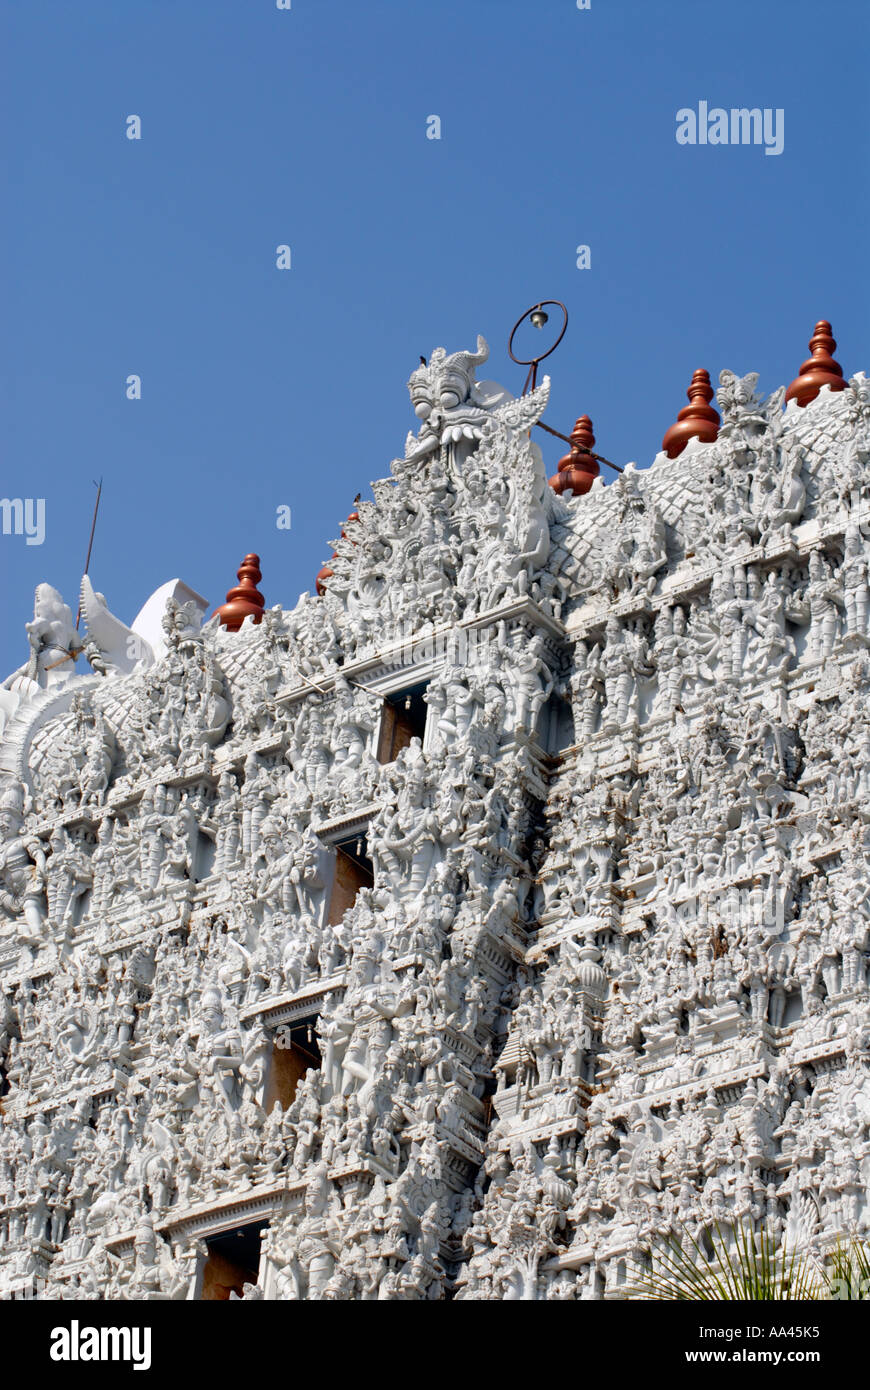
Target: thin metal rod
(99, 487)
(600, 457)
(305, 679)
(558, 433)
(70, 656)
(368, 689)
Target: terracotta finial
(245, 598)
(819, 370)
(326, 572)
(697, 420)
(577, 470)
(323, 574)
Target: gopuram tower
(490, 917)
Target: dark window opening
(403, 718)
(555, 729)
(353, 871)
(294, 1052)
(203, 860)
(233, 1260)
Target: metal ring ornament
(533, 361)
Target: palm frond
(738, 1265)
(848, 1270)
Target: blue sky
(307, 127)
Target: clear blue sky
(308, 127)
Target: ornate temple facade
(492, 915)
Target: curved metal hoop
(533, 361)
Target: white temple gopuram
(492, 915)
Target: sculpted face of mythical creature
(445, 382)
(449, 402)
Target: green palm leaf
(736, 1264)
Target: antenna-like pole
(99, 487)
